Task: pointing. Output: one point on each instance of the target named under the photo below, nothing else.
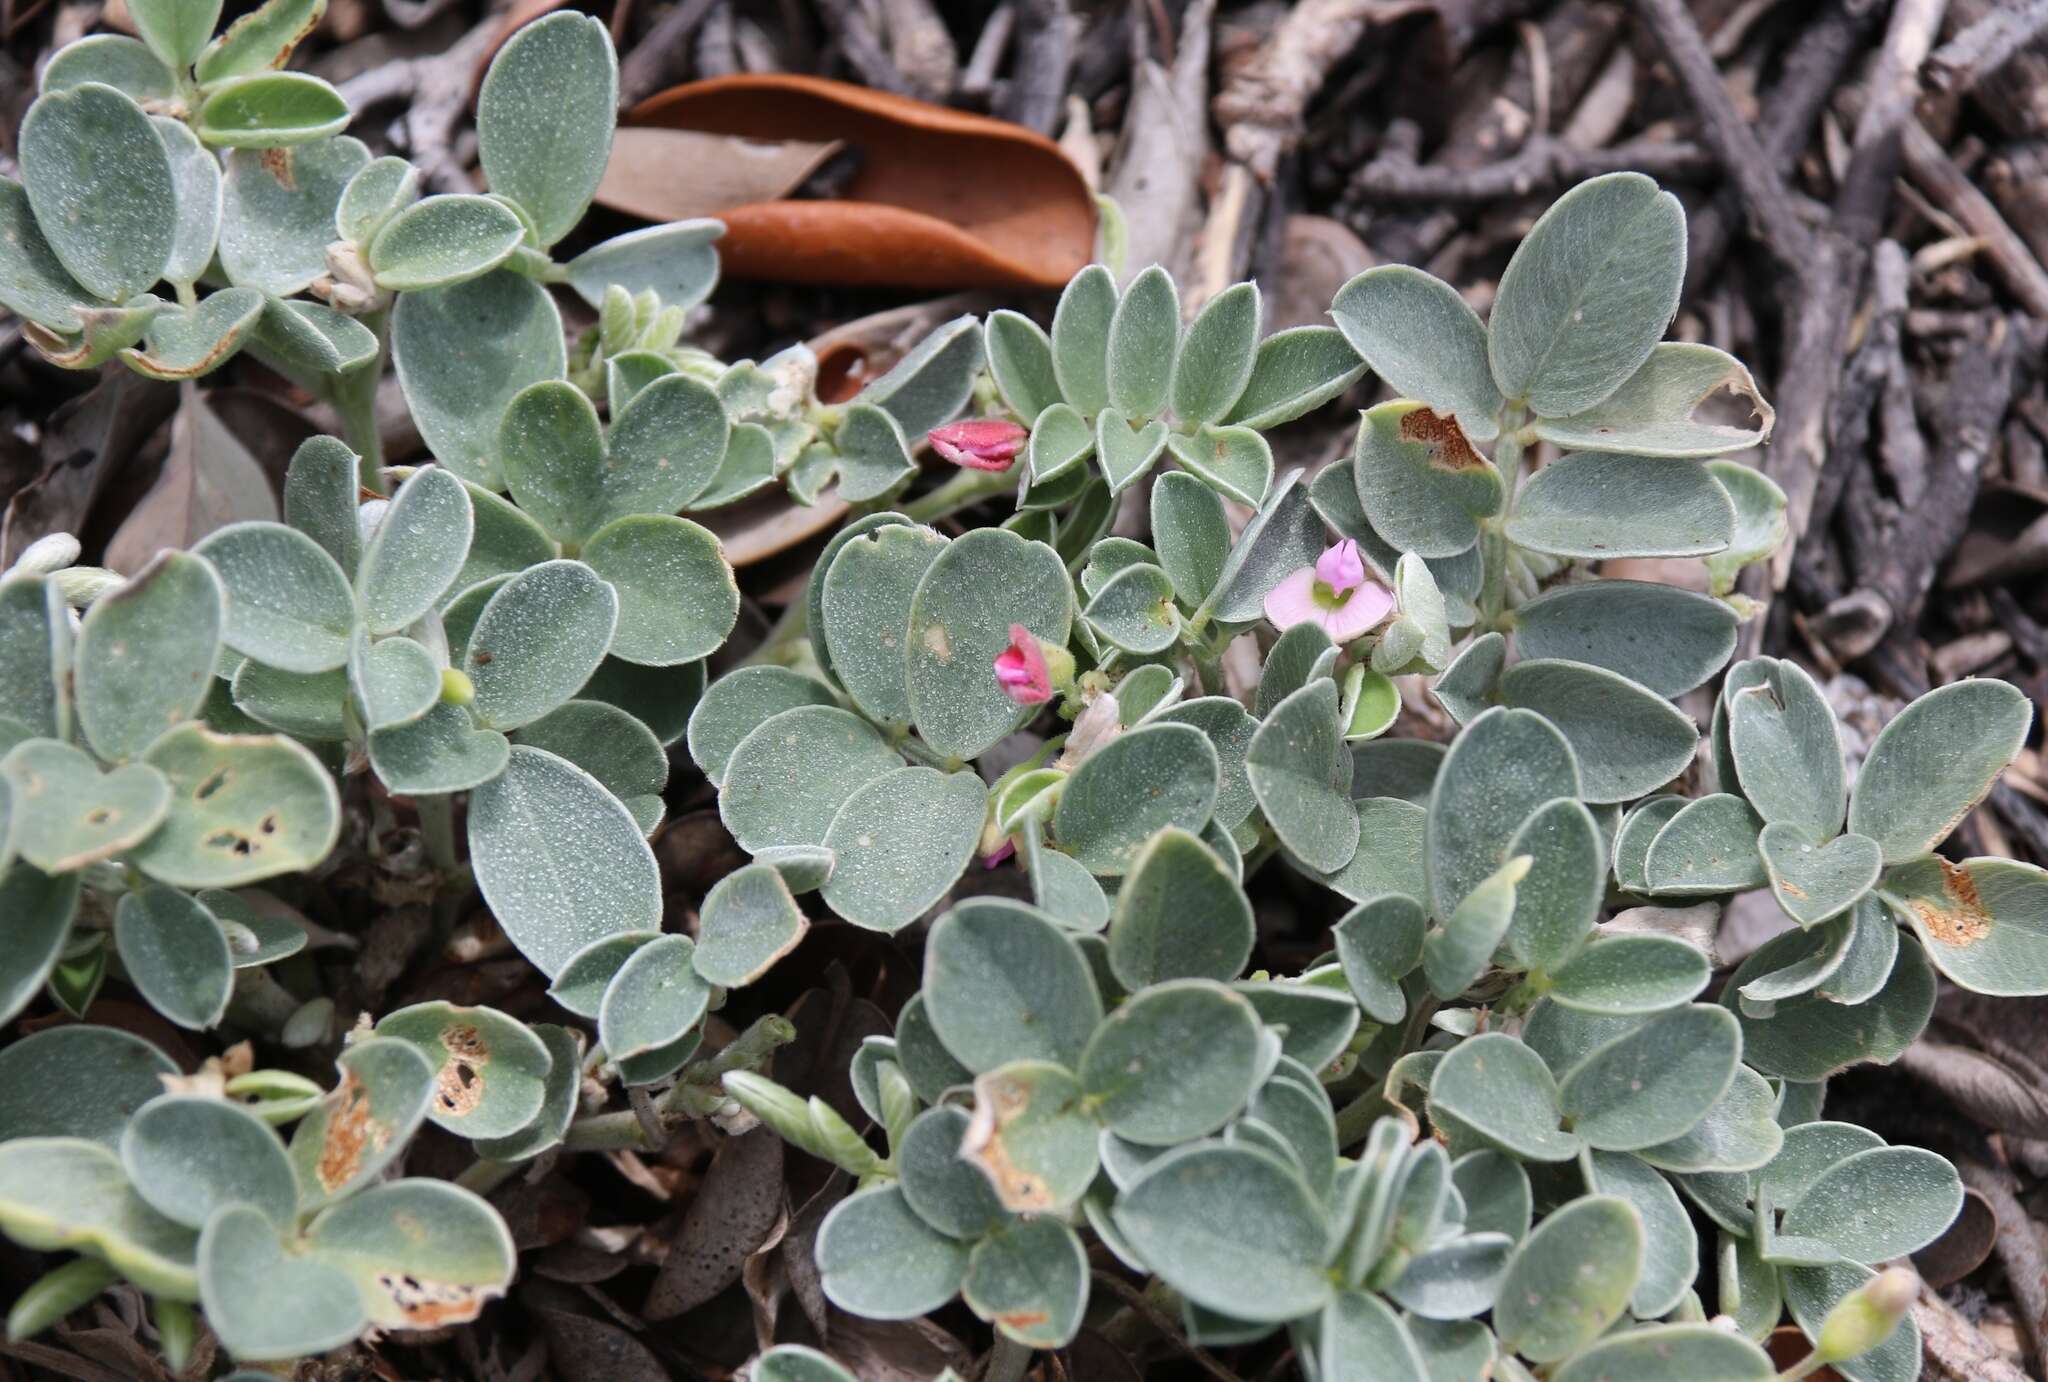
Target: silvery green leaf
(490, 1070)
(442, 241)
(1655, 1082)
(1587, 294)
(1810, 1037)
(677, 599)
(788, 775)
(900, 842)
(613, 747)
(195, 174)
(749, 921)
(1814, 883)
(1737, 1135)
(1638, 829)
(289, 605)
(417, 1250)
(1787, 750)
(560, 861)
(101, 183)
(1467, 686)
(380, 190)
(1109, 557)
(115, 60)
(1456, 953)
(1293, 1103)
(1234, 461)
(243, 808)
(1300, 772)
(874, 453)
(1379, 942)
(1020, 361)
(1934, 762)
(1032, 1136)
(442, 751)
(1125, 450)
(313, 336)
(67, 813)
(188, 1155)
(1982, 922)
(1656, 1351)
(1628, 740)
(1293, 373)
(1404, 769)
(176, 957)
(930, 1067)
(653, 1000)
(42, 908)
(879, 1260)
(581, 982)
(1080, 339)
(1760, 524)
(1496, 1193)
(1003, 982)
(145, 654)
(551, 451)
(749, 465)
(77, 1080)
(1504, 766)
(1062, 887)
(1284, 536)
(255, 938)
(677, 261)
(1570, 1278)
(1232, 1229)
(278, 214)
(1229, 730)
(1134, 610)
(35, 655)
(270, 110)
(1191, 534)
(66, 1192)
(266, 1305)
(866, 610)
(361, 1126)
(186, 342)
(416, 552)
(544, 119)
(1502, 1092)
(1662, 637)
(1389, 854)
(1749, 1290)
(309, 705)
(260, 40)
(1706, 846)
(660, 698)
(1179, 914)
(960, 619)
(538, 640)
(1801, 960)
(1420, 483)
(1627, 975)
(175, 30)
(1335, 496)
(944, 1189)
(1455, 1279)
(1656, 412)
(1559, 899)
(1596, 505)
(1060, 439)
(1173, 1063)
(1216, 355)
(1362, 1338)
(1318, 1014)
(34, 283)
(814, 592)
(738, 702)
(1031, 1279)
(1878, 1204)
(1424, 340)
(931, 384)
(1453, 1350)
(462, 353)
(1811, 1292)
(1158, 775)
(1143, 344)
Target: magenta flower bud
(1341, 568)
(981, 443)
(1021, 669)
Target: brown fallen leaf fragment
(939, 199)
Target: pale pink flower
(982, 443)
(1021, 669)
(1002, 853)
(1335, 593)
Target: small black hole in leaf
(213, 783)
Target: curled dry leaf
(940, 198)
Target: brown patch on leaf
(1791, 889)
(1448, 449)
(1963, 922)
(998, 1102)
(429, 1304)
(1022, 1319)
(351, 1136)
(459, 1085)
(278, 163)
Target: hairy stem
(963, 490)
(355, 398)
(1008, 1361)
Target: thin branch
(1543, 164)
(1986, 46)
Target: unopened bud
(456, 687)
(1866, 1317)
(47, 554)
(82, 585)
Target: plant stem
(1806, 1366)
(1008, 1362)
(966, 488)
(437, 832)
(485, 1175)
(355, 398)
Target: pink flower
(1021, 670)
(1003, 852)
(1335, 593)
(983, 443)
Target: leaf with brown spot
(1032, 1136)
(364, 1122)
(490, 1071)
(1984, 922)
(1422, 486)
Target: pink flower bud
(1021, 669)
(982, 443)
(1341, 568)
